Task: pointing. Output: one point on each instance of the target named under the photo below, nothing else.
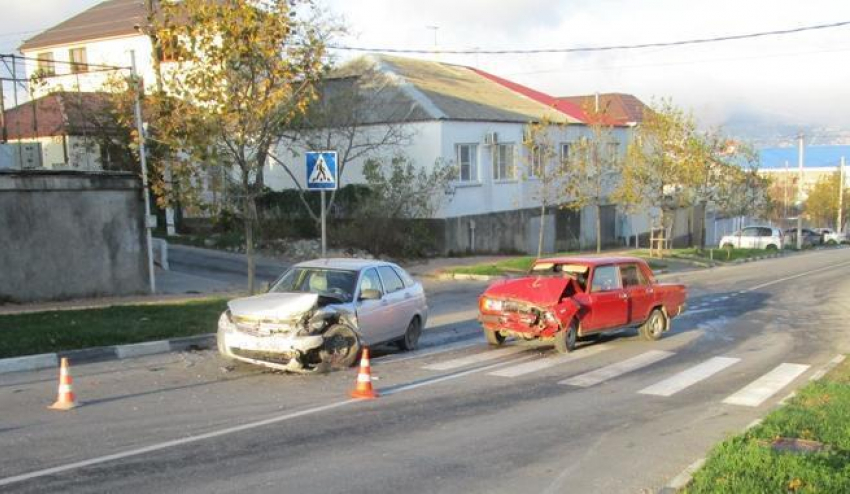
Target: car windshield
(333, 283)
(577, 272)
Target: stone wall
(67, 235)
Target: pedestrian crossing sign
(321, 170)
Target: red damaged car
(563, 299)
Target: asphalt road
(617, 415)
(221, 266)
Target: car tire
(654, 325)
(494, 338)
(410, 341)
(565, 341)
(341, 347)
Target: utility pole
(785, 197)
(800, 194)
(838, 227)
(137, 107)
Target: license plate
(264, 344)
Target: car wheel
(565, 341)
(341, 346)
(654, 325)
(494, 338)
(410, 341)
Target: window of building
(46, 65)
(503, 162)
(564, 152)
(78, 60)
(539, 155)
(467, 159)
(170, 48)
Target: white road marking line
(475, 359)
(545, 363)
(787, 278)
(605, 373)
(828, 367)
(238, 428)
(755, 393)
(393, 358)
(689, 377)
(428, 382)
(171, 444)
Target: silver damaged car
(319, 314)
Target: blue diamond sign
(321, 170)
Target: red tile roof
(622, 108)
(566, 107)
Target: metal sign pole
(324, 227)
(137, 110)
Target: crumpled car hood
(274, 305)
(538, 291)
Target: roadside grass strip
(476, 358)
(614, 370)
(56, 331)
(755, 393)
(545, 363)
(755, 461)
(689, 377)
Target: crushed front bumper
(276, 351)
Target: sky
(792, 79)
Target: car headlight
(489, 304)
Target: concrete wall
(70, 235)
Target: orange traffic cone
(66, 399)
(363, 390)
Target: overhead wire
(586, 49)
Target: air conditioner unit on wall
(491, 138)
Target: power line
(734, 37)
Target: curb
(106, 353)
(685, 477)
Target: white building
(77, 54)
(477, 121)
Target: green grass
(44, 332)
(522, 264)
(746, 463)
(697, 254)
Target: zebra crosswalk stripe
(609, 372)
(689, 377)
(545, 363)
(476, 358)
(755, 393)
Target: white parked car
(755, 237)
(320, 313)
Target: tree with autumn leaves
(246, 71)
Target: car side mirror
(370, 294)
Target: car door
(395, 297)
(371, 314)
(749, 238)
(609, 304)
(639, 291)
(414, 296)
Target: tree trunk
(249, 216)
(540, 233)
(598, 228)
